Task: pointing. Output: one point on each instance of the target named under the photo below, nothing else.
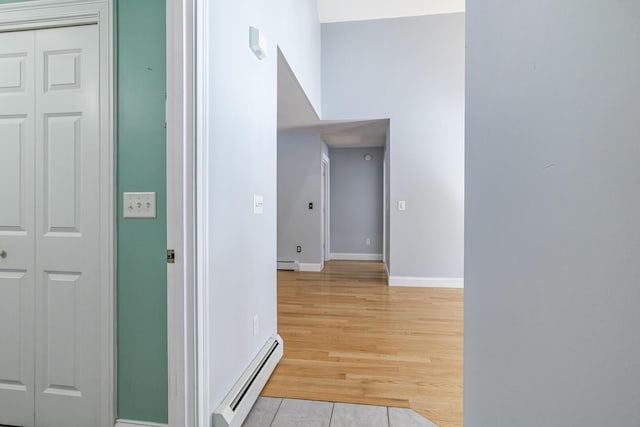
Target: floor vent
(289, 265)
(236, 406)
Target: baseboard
(305, 266)
(427, 282)
(235, 407)
(288, 265)
(355, 257)
(129, 423)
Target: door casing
(41, 14)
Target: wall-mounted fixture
(258, 43)
(368, 157)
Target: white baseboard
(427, 282)
(355, 257)
(129, 423)
(288, 265)
(235, 407)
(305, 266)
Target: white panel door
(67, 226)
(50, 308)
(17, 259)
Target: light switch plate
(402, 205)
(258, 204)
(139, 205)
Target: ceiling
(359, 10)
(295, 114)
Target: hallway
(350, 338)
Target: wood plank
(351, 338)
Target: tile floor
(276, 412)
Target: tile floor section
(274, 412)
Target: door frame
(326, 205)
(184, 322)
(41, 14)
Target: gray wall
(552, 231)
(410, 70)
(299, 182)
(356, 200)
(242, 162)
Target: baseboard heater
(236, 406)
(289, 265)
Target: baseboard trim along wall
(305, 266)
(129, 423)
(288, 265)
(427, 282)
(355, 257)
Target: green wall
(142, 289)
(141, 274)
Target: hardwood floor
(349, 337)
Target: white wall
(242, 162)
(298, 35)
(412, 71)
(299, 183)
(552, 231)
(356, 200)
(358, 10)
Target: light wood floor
(348, 337)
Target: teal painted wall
(142, 289)
(141, 274)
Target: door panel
(67, 221)
(17, 293)
(62, 156)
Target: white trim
(180, 166)
(326, 208)
(40, 14)
(129, 423)
(427, 282)
(263, 364)
(202, 246)
(355, 257)
(310, 267)
(386, 269)
(288, 265)
(384, 203)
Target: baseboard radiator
(289, 265)
(236, 406)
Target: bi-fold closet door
(50, 308)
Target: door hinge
(171, 256)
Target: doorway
(56, 221)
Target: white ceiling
(295, 114)
(359, 10)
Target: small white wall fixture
(258, 43)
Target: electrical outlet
(298, 249)
(256, 325)
(311, 205)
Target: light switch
(139, 205)
(402, 205)
(258, 204)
